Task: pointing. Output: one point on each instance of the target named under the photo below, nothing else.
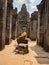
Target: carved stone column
(10, 31)
(14, 24)
(38, 29)
(46, 36)
(8, 21)
(33, 25)
(16, 30)
(3, 12)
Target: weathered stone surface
(9, 21)
(14, 24)
(38, 29)
(1, 27)
(43, 8)
(33, 25)
(23, 20)
(3, 10)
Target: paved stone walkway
(36, 55)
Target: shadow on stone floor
(20, 52)
(42, 56)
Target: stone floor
(36, 55)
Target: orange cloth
(22, 35)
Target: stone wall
(44, 24)
(46, 36)
(33, 25)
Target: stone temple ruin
(13, 23)
(43, 24)
(23, 20)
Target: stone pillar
(42, 21)
(14, 24)
(31, 29)
(1, 27)
(16, 30)
(46, 36)
(38, 29)
(10, 31)
(28, 28)
(3, 24)
(33, 24)
(13, 27)
(8, 22)
(8, 27)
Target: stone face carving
(23, 20)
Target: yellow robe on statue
(22, 35)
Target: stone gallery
(43, 24)
(13, 23)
